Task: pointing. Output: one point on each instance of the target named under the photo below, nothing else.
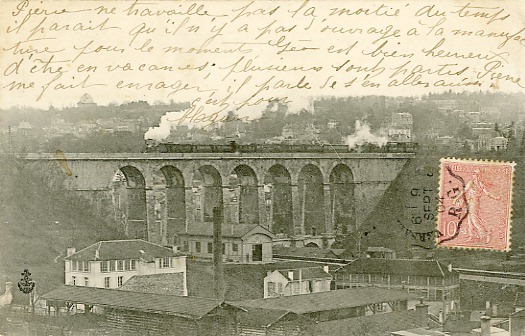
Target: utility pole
(218, 276)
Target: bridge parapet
(216, 156)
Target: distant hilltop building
(401, 127)
(86, 101)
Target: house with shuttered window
(297, 281)
(110, 264)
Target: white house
(297, 281)
(109, 264)
(244, 243)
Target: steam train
(153, 146)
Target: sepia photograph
(238, 168)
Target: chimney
(326, 268)
(422, 313)
(450, 268)
(290, 275)
(70, 251)
(485, 325)
(218, 276)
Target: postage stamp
(475, 204)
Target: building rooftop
(420, 267)
(184, 306)
(265, 318)
(242, 281)
(377, 325)
(308, 252)
(306, 273)
(378, 249)
(165, 283)
(418, 332)
(323, 301)
(123, 249)
(228, 230)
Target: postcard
(262, 167)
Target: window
(86, 281)
(112, 265)
(133, 264)
(223, 248)
(104, 266)
(75, 265)
(185, 246)
(127, 265)
(120, 265)
(198, 247)
(164, 262)
(446, 294)
(86, 266)
(295, 288)
(120, 281)
(279, 287)
(270, 288)
(379, 307)
(210, 247)
(107, 282)
(74, 280)
(235, 247)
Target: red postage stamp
(474, 204)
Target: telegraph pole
(218, 276)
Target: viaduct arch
(295, 195)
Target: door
(257, 252)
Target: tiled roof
(184, 306)
(421, 267)
(228, 230)
(334, 299)
(166, 283)
(306, 273)
(123, 249)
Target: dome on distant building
(86, 99)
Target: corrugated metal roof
(185, 306)
(421, 267)
(335, 299)
(123, 249)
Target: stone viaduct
(154, 196)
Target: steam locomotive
(153, 146)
